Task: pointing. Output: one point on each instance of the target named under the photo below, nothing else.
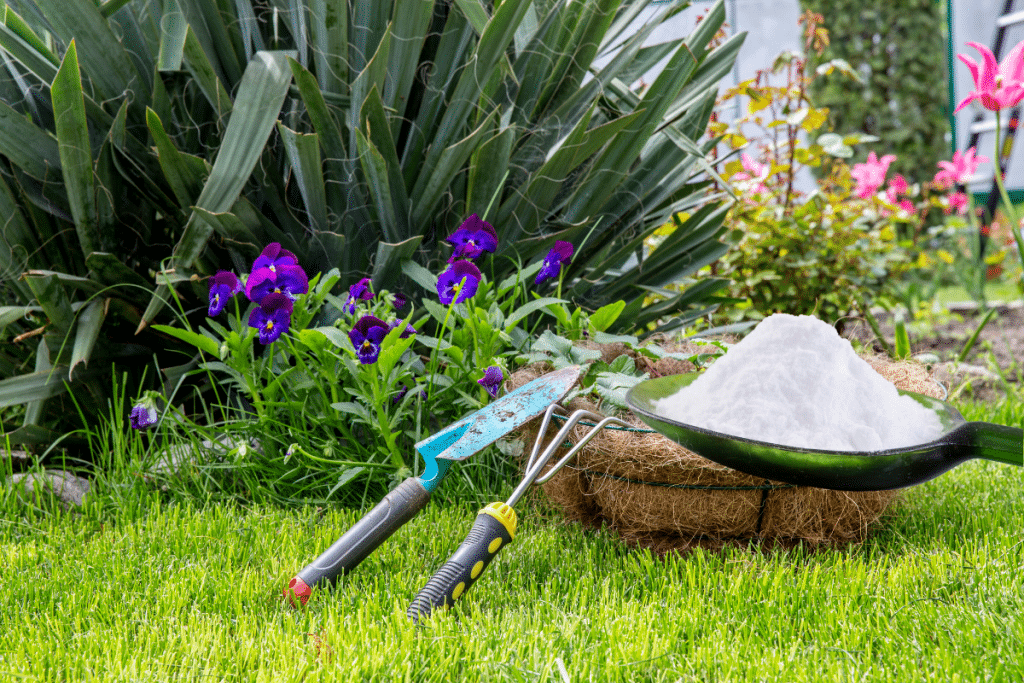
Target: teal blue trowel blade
(471, 434)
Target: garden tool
(840, 470)
(495, 524)
(456, 442)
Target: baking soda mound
(793, 381)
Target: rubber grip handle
(394, 510)
(485, 539)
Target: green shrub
(142, 145)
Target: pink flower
(871, 174)
(907, 206)
(958, 171)
(752, 176)
(897, 186)
(998, 86)
(958, 203)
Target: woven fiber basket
(659, 495)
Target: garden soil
(998, 350)
(658, 495)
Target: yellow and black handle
(494, 528)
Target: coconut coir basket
(658, 495)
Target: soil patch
(999, 349)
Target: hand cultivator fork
(495, 525)
(456, 442)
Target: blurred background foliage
(899, 50)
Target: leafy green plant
(321, 394)
(183, 134)
(834, 250)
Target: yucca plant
(143, 145)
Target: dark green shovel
(841, 470)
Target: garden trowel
(456, 442)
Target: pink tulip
(998, 85)
(871, 174)
(752, 176)
(960, 170)
(958, 203)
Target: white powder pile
(794, 381)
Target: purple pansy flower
(358, 291)
(472, 238)
(397, 300)
(276, 271)
(288, 280)
(559, 256)
(407, 332)
(458, 282)
(143, 416)
(272, 318)
(223, 286)
(492, 379)
(366, 336)
(273, 257)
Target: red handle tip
(297, 589)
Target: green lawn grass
(153, 590)
(146, 585)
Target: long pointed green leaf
(34, 408)
(28, 146)
(303, 152)
(260, 96)
(368, 28)
(217, 39)
(200, 341)
(53, 298)
(390, 257)
(455, 44)
(489, 50)
(17, 240)
(229, 226)
(26, 47)
(87, 332)
(173, 28)
(378, 132)
(409, 31)
(487, 172)
(202, 70)
(376, 174)
(111, 271)
(183, 172)
(614, 163)
(75, 154)
(574, 63)
(431, 186)
(104, 59)
(328, 31)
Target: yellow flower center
(269, 326)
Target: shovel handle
(494, 528)
(394, 510)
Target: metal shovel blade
(462, 439)
(841, 470)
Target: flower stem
(1011, 212)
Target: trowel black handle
(494, 528)
(394, 510)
